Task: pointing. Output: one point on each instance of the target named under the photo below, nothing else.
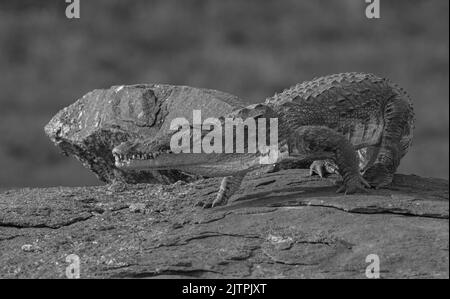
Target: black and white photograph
(224, 146)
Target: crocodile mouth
(161, 160)
(137, 161)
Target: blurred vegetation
(250, 48)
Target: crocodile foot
(205, 203)
(322, 168)
(228, 187)
(378, 176)
(211, 202)
(354, 184)
(221, 199)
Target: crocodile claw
(219, 200)
(354, 185)
(206, 203)
(378, 176)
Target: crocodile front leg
(320, 143)
(395, 142)
(228, 187)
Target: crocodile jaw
(185, 161)
(153, 161)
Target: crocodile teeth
(146, 156)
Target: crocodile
(357, 124)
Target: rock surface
(280, 225)
(92, 126)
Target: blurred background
(249, 48)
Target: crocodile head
(159, 154)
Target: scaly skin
(355, 121)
